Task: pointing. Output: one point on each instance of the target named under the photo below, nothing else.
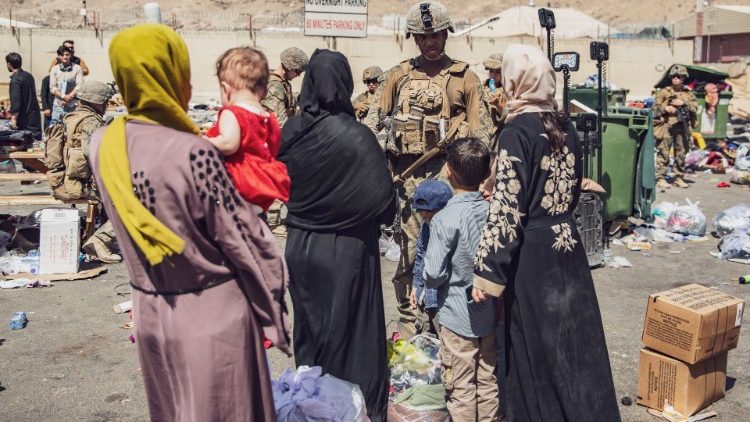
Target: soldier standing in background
(675, 109)
(279, 97)
(493, 97)
(280, 101)
(427, 100)
(363, 103)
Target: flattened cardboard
(692, 323)
(688, 388)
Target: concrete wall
(635, 64)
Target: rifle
(427, 156)
(685, 117)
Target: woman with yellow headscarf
(208, 278)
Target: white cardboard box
(59, 241)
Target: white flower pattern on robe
(558, 193)
(504, 216)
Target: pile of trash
(672, 223)
(306, 394)
(416, 380)
(732, 225)
(204, 115)
(729, 156)
(19, 243)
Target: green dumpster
(587, 96)
(627, 163)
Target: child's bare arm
(228, 142)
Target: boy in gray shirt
(467, 329)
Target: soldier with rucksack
(66, 157)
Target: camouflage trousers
(276, 213)
(668, 138)
(106, 233)
(410, 222)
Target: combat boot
(681, 183)
(662, 184)
(96, 248)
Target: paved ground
(74, 362)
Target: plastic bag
(742, 163)
(736, 218)
(735, 245)
(687, 219)
(414, 362)
(389, 247)
(740, 177)
(693, 158)
(662, 212)
(305, 395)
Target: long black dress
(557, 363)
(341, 193)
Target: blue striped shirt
(455, 232)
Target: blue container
(18, 321)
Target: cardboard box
(692, 323)
(59, 240)
(688, 388)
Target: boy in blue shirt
(467, 329)
(430, 197)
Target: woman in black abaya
(341, 193)
(531, 254)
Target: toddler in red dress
(245, 132)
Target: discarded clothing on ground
(423, 397)
(305, 395)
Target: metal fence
(656, 31)
(117, 19)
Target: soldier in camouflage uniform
(423, 99)
(493, 97)
(280, 101)
(80, 125)
(363, 103)
(670, 132)
(279, 97)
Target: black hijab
(339, 174)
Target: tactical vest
(69, 172)
(421, 106)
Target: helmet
(294, 59)
(679, 70)
(372, 72)
(428, 17)
(493, 62)
(95, 92)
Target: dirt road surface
(73, 362)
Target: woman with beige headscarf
(208, 278)
(531, 254)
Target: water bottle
(745, 279)
(18, 321)
(493, 88)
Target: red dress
(256, 173)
